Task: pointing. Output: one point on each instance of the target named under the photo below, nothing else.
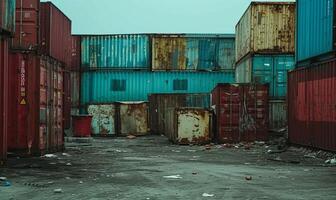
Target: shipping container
(241, 112)
(75, 89)
(266, 69)
(67, 103)
(160, 103)
(115, 51)
(100, 87)
(75, 53)
(311, 106)
(266, 28)
(188, 126)
(26, 25)
(277, 114)
(4, 89)
(7, 17)
(36, 103)
(193, 52)
(132, 118)
(55, 33)
(103, 119)
(316, 30)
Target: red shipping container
(36, 104)
(55, 33)
(312, 106)
(3, 101)
(241, 112)
(75, 53)
(82, 125)
(26, 25)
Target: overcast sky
(153, 16)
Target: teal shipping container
(193, 52)
(115, 51)
(102, 87)
(7, 16)
(316, 29)
(267, 69)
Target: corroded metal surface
(103, 119)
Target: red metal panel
(82, 125)
(27, 25)
(67, 100)
(3, 100)
(75, 53)
(312, 106)
(241, 111)
(55, 33)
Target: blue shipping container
(115, 51)
(7, 15)
(271, 69)
(315, 21)
(110, 86)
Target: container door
(282, 64)
(263, 72)
(192, 54)
(59, 106)
(43, 104)
(207, 54)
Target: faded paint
(312, 106)
(132, 118)
(188, 125)
(7, 16)
(278, 114)
(266, 27)
(75, 88)
(159, 103)
(193, 52)
(241, 112)
(115, 51)
(99, 87)
(103, 119)
(266, 69)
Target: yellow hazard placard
(23, 102)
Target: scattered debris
(207, 147)
(331, 161)
(49, 156)
(227, 145)
(66, 154)
(176, 151)
(260, 143)
(68, 164)
(59, 190)
(248, 178)
(310, 155)
(173, 177)
(67, 178)
(52, 163)
(191, 150)
(207, 195)
(80, 182)
(6, 183)
(131, 137)
(2, 178)
(247, 146)
(194, 173)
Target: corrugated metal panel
(103, 119)
(67, 99)
(241, 112)
(266, 28)
(267, 69)
(192, 52)
(4, 94)
(110, 86)
(159, 103)
(75, 53)
(55, 33)
(27, 25)
(311, 106)
(75, 89)
(315, 28)
(36, 122)
(278, 114)
(116, 51)
(132, 118)
(7, 16)
(188, 125)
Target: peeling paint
(103, 120)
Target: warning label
(23, 102)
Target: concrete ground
(148, 168)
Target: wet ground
(151, 168)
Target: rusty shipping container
(192, 52)
(27, 25)
(55, 33)
(241, 112)
(266, 27)
(4, 109)
(103, 119)
(7, 17)
(159, 103)
(132, 118)
(75, 89)
(36, 103)
(75, 53)
(188, 125)
(67, 99)
(312, 107)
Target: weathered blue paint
(116, 51)
(271, 69)
(111, 86)
(7, 15)
(314, 28)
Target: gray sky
(153, 16)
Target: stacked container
(265, 38)
(129, 68)
(311, 95)
(39, 57)
(7, 27)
